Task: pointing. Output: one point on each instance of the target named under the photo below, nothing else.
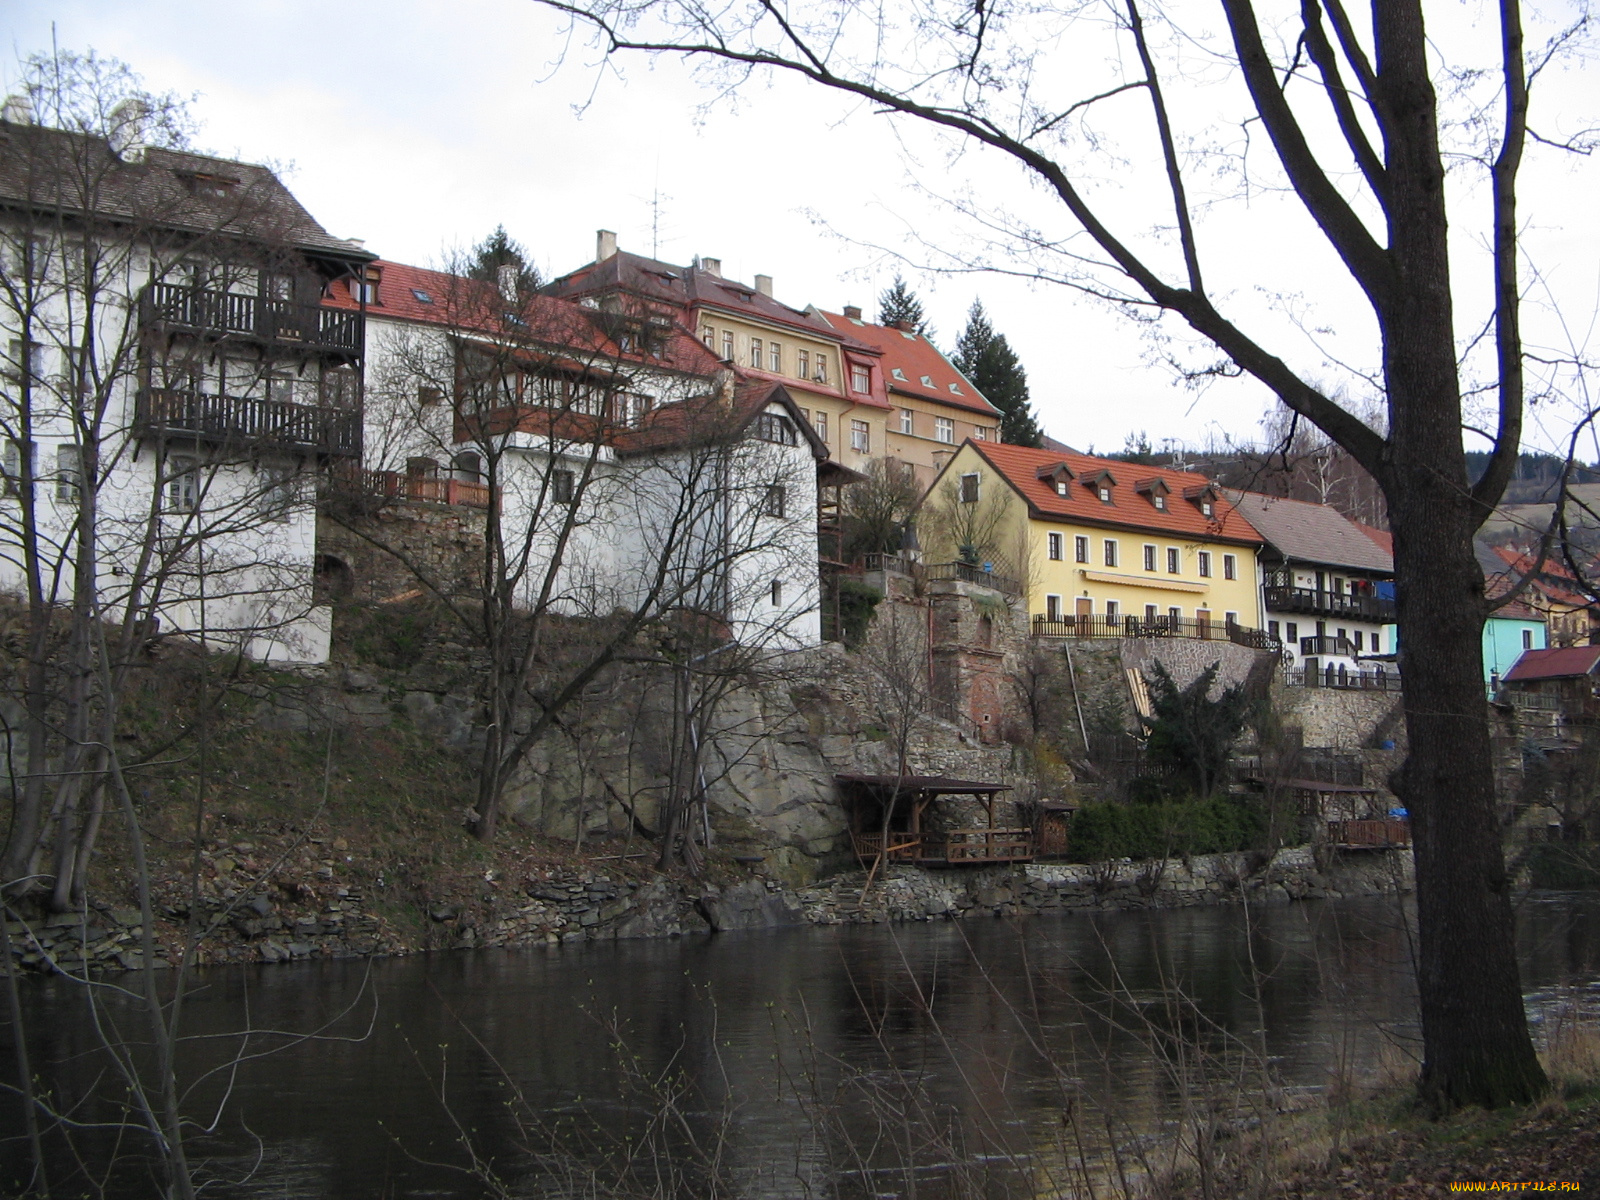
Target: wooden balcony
(1100, 625)
(952, 848)
(1373, 833)
(240, 422)
(1316, 603)
(361, 484)
(255, 318)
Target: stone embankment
(320, 918)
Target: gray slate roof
(53, 169)
(1312, 533)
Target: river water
(980, 1058)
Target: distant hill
(1535, 477)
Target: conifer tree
(986, 358)
(499, 250)
(899, 303)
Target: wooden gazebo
(899, 803)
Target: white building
(171, 386)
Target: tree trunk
(1475, 1035)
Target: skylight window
(422, 296)
(898, 373)
(955, 389)
(926, 381)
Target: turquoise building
(1506, 634)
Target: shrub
(1559, 865)
(1154, 830)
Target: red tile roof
(1383, 537)
(916, 359)
(1553, 579)
(1129, 507)
(1563, 662)
(709, 419)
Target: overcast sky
(420, 126)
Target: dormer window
(1100, 483)
(1160, 502)
(1105, 495)
(1204, 498)
(860, 378)
(1057, 476)
(1156, 490)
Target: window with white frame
(945, 430)
(980, 434)
(907, 421)
(183, 484)
(1113, 611)
(708, 335)
(820, 424)
(775, 502)
(1203, 563)
(25, 364)
(1056, 545)
(775, 427)
(727, 344)
(275, 501)
(1149, 558)
(1052, 608)
(802, 364)
(860, 437)
(860, 378)
(1230, 566)
(822, 367)
(12, 462)
(1080, 549)
(69, 473)
(755, 353)
(1111, 552)
(969, 488)
(775, 358)
(1174, 561)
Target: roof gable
(913, 366)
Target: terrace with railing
(1377, 679)
(241, 421)
(1319, 603)
(1327, 646)
(1111, 626)
(258, 318)
(362, 484)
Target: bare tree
(1325, 93)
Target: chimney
(712, 266)
(852, 312)
(18, 111)
(905, 326)
(358, 243)
(605, 244)
(507, 277)
(764, 285)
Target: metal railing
(238, 420)
(1342, 677)
(261, 318)
(971, 573)
(1329, 604)
(1101, 625)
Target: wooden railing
(1380, 680)
(1375, 832)
(1099, 625)
(956, 847)
(260, 318)
(972, 573)
(237, 420)
(359, 482)
(1329, 604)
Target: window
(1230, 619)
(775, 427)
(1149, 558)
(1203, 563)
(278, 493)
(277, 286)
(628, 409)
(774, 502)
(820, 424)
(1056, 544)
(860, 378)
(860, 437)
(467, 467)
(282, 385)
(1174, 561)
(708, 335)
(1527, 639)
(1230, 566)
(69, 473)
(364, 291)
(1111, 612)
(802, 364)
(980, 434)
(25, 367)
(1111, 552)
(1206, 508)
(727, 344)
(183, 485)
(1360, 641)
(1080, 549)
(822, 367)
(907, 421)
(13, 466)
(1061, 487)
(1052, 608)
(422, 296)
(561, 486)
(944, 429)
(1272, 630)
(1150, 613)
(1175, 615)
(339, 389)
(1291, 631)
(1160, 501)
(429, 397)
(777, 593)
(775, 359)
(1105, 494)
(755, 353)
(969, 488)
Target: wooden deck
(1372, 833)
(953, 848)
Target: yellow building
(1099, 547)
(934, 406)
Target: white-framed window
(1207, 508)
(1230, 566)
(775, 427)
(1203, 563)
(1113, 610)
(1080, 549)
(860, 437)
(183, 484)
(820, 424)
(1149, 558)
(860, 378)
(1174, 561)
(1056, 546)
(69, 472)
(980, 434)
(1175, 615)
(708, 335)
(775, 358)
(802, 364)
(629, 408)
(1160, 501)
(1061, 487)
(945, 430)
(775, 502)
(727, 344)
(1052, 608)
(1105, 494)
(907, 421)
(1230, 619)
(1111, 552)
(755, 354)
(969, 488)
(822, 367)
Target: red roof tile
(916, 359)
(1563, 662)
(1129, 508)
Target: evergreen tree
(986, 358)
(499, 250)
(899, 303)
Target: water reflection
(980, 1058)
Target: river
(975, 1058)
